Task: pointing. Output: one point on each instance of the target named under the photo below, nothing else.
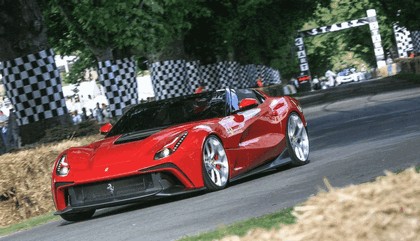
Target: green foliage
(241, 228)
(28, 224)
(115, 29)
(85, 60)
(405, 12)
(253, 31)
(257, 31)
(346, 48)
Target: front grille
(112, 190)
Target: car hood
(110, 158)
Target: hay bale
(387, 209)
(25, 180)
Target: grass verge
(241, 228)
(415, 78)
(27, 224)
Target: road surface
(352, 141)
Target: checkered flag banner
(175, 78)
(33, 86)
(415, 36)
(404, 41)
(119, 80)
(251, 75)
(269, 75)
(228, 74)
(169, 79)
(210, 76)
(193, 77)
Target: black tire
(80, 216)
(215, 165)
(297, 140)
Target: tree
(257, 31)
(115, 29)
(30, 75)
(403, 12)
(22, 30)
(351, 47)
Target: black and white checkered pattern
(33, 86)
(175, 78)
(230, 74)
(211, 76)
(193, 77)
(251, 75)
(415, 36)
(119, 80)
(242, 81)
(269, 75)
(404, 41)
(168, 79)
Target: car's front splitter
(121, 191)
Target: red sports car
(180, 145)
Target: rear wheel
(215, 164)
(297, 140)
(80, 216)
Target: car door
(253, 130)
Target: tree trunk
(22, 29)
(30, 76)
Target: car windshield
(160, 114)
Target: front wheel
(215, 164)
(80, 216)
(297, 140)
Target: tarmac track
(353, 140)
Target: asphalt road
(352, 141)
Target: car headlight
(171, 147)
(63, 168)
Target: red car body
(128, 167)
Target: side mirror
(105, 128)
(248, 103)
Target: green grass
(410, 77)
(27, 224)
(241, 228)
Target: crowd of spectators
(101, 114)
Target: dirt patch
(387, 209)
(25, 179)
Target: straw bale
(386, 209)
(25, 180)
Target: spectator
(294, 82)
(13, 138)
(259, 83)
(3, 131)
(84, 115)
(3, 117)
(412, 55)
(315, 83)
(106, 113)
(98, 114)
(76, 118)
(389, 64)
(90, 116)
(199, 90)
(331, 78)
